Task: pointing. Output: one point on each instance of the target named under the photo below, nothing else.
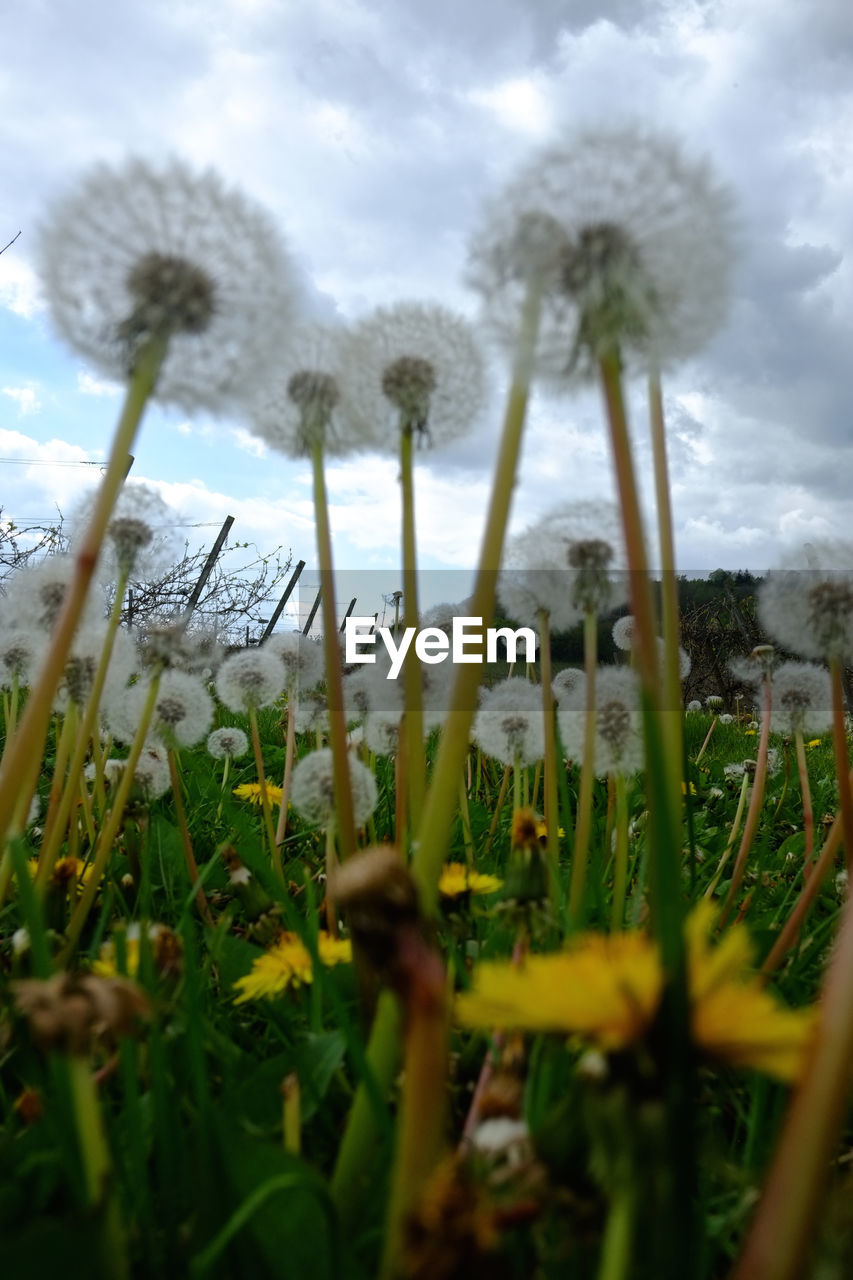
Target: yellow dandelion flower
(608, 989)
(288, 964)
(251, 791)
(457, 879)
(815, 742)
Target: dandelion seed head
(139, 251)
(141, 540)
(802, 699)
(807, 603)
(624, 632)
(306, 404)
(633, 252)
(567, 682)
(313, 789)
(415, 368)
(251, 678)
(508, 724)
(618, 725)
(301, 658)
(570, 561)
(229, 743)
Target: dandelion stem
(289, 749)
(97, 1166)
(583, 819)
(552, 805)
(791, 928)
(620, 871)
(672, 726)
(186, 841)
(434, 831)
(432, 837)
(334, 684)
(806, 793)
(754, 811)
(55, 831)
(842, 763)
(275, 856)
(109, 829)
(26, 748)
(413, 686)
(778, 1242)
(730, 843)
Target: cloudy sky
(375, 130)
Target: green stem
(806, 793)
(275, 856)
(616, 1251)
(434, 831)
(754, 811)
(27, 747)
(552, 804)
(334, 685)
(413, 685)
(620, 873)
(109, 829)
(583, 818)
(672, 719)
(97, 1166)
(431, 843)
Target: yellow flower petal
(456, 879)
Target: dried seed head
(69, 1012)
(408, 382)
(316, 395)
(171, 295)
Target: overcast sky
(375, 130)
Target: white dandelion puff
(249, 679)
(228, 743)
(618, 722)
(807, 603)
(508, 724)
(569, 562)
(141, 251)
(415, 368)
(802, 699)
(313, 789)
(630, 240)
(305, 403)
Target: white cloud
(25, 398)
(19, 287)
(520, 104)
(88, 385)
